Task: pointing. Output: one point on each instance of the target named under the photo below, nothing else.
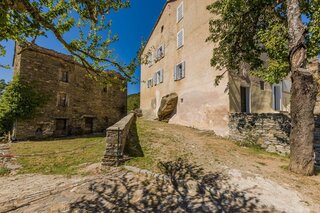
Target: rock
(168, 107)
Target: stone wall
(270, 130)
(90, 107)
(116, 138)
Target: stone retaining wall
(116, 138)
(270, 130)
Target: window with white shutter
(180, 39)
(150, 83)
(150, 59)
(160, 52)
(179, 72)
(180, 12)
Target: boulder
(168, 107)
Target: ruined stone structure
(77, 104)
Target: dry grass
(59, 156)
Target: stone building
(76, 103)
(179, 62)
(241, 106)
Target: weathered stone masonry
(116, 138)
(77, 104)
(270, 130)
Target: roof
(49, 52)
(154, 27)
(65, 57)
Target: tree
(246, 30)
(18, 101)
(25, 19)
(2, 86)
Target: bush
(18, 101)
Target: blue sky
(132, 25)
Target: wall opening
(276, 96)
(245, 99)
(88, 124)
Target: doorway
(88, 125)
(245, 99)
(276, 97)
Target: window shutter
(180, 12)
(175, 73)
(180, 39)
(183, 71)
(161, 76)
(163, 50)
(155, 79)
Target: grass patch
(4, 171)
(61, 157)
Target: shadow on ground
(184, 187)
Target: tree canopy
(18, 101)
(248, 32)
(25, 20)
(2, 86)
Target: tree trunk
(303, 96)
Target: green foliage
(133, 102)
(27, 19)
(253, 36)
(4, 171)
(19, 101)
(2, 86)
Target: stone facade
(116, 138)
(77, 104)
(270, 130)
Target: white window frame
(182, 40)
(162, 54)
(150, 83)
(182, 12)
(248, 98)
(159, 77)
(182, 74)
(150, 59)
(273, 97)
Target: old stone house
(178, 61)
(76, 103)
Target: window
(88, 124)
(65, 76)
(160, 52)
(180, 39)
(61, 124)
(150, 59)
(63, 100)
(277, 97)
(180, 12)
(158, 77)
(179, 71)
(150, 83)
(162, 28)
(262, 86)
(245, 99)
(286, 86)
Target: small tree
(19, 101)
(245, 30)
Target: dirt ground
(201, 173)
